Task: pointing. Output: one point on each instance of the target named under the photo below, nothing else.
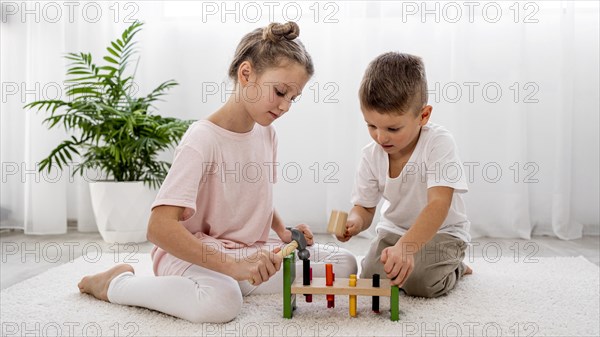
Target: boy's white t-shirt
(434, 162)
(224, 181)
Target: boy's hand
(397, 264)
(353, 227)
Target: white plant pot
(122, 210)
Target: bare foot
(97, 285)
(468, 270)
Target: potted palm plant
(115, 134)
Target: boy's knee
(371, 265)
(220, 304)
(427, 284)
(369, 269)
(419, 285)
(419, 291)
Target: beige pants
(438, 264)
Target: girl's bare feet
(97, 285)
(468, 270)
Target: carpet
(547, 297)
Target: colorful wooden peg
(352, 299)
(375, 304)
(306, 277)
(394, 304)
(289, 275)
(329, 278)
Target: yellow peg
(352, 301)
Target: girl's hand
(256, 268)
(397, 264)
(308, 235)
(285, 236)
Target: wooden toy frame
(318, 286)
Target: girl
(212, 216)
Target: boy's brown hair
(394, 83)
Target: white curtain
(515, 82)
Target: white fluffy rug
(550, 297)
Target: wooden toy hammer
(337, 223)
(298, 242)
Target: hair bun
(275, 32)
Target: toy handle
(288, 249)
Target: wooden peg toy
(330, 287)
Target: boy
(423, 231)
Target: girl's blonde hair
(270, 47)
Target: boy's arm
(429, 220)
(398, 260)
(363, 215)
(367, 190)
(359, 219)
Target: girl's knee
(219, 304)
(345, 263)
(343, 260)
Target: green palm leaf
(112, 130)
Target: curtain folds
(519, 91)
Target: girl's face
(269, 95)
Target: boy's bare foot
(97, 285)
(468, 270)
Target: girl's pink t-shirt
(224, 181)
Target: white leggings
(201, 295)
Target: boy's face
(396, 134)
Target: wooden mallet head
(337, 223)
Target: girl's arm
(285, 235)
(165, 231)
(279, 228)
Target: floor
(24, 256)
